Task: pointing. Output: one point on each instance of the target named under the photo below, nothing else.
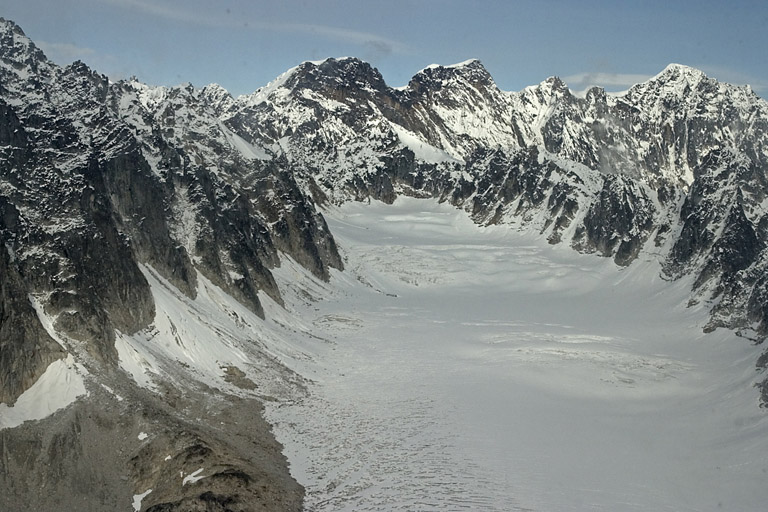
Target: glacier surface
(456, 366)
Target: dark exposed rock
(88, 457)
(26, 349)
(618, 222)
(101, 183)
(141, 207)
(98, 194)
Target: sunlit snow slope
(465, 367)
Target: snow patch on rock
(61, 384)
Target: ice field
(456, 367)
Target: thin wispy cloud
(340, 34)
(621, 81)
(64, 53)
(610, 81)
(736, 78)
(177, 14)
(183, 14)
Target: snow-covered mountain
(100, 182)
(121, 201)
(674, 168)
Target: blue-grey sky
(244, 44)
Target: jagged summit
(469, 64)
(473, 62)
(331, 76)
(436, 76)
(552, 86)
(674, 80)
(345, 72)
(678, 80)
(340, 72)
(675, 71)
(218, 98)
(17, 51)
(15, 44)
(9, 26)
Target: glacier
(466, 367)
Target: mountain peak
(332, 61)
(556, 83)
(20, 57)
(436, 76)
(10, 26)
(217, 97)
(328, 76)
(675, 71)
(469, 64)
(676, 81)
(552, 87)
(215, 89)
(466, 68)
(342, 72)
(16, 46)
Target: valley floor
(456, 367)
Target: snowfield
(457, 367)
(60, 385)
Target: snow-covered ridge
(679, 70)
(458, 65)
(447, 108)
(263, 93)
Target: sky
(244, 44)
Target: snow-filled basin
(466, 367)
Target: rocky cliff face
(100, 181)
(101, 178)
(104, 185)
